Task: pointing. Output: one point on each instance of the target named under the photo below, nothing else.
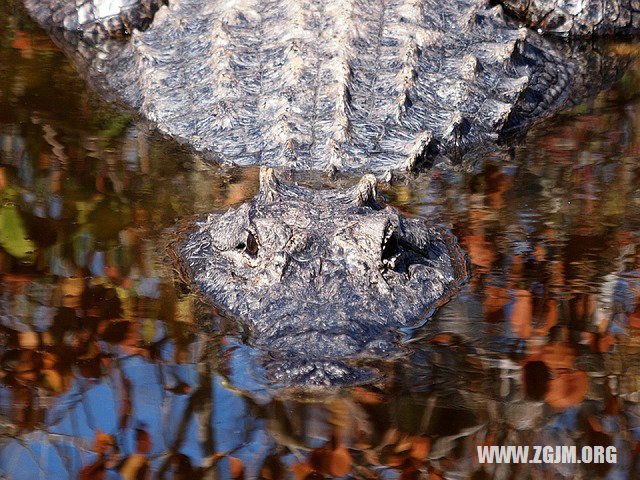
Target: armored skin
(343, 85)
(578, 18)
(97, 18)
(325, 276)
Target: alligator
(323, 278)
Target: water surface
(106, 372)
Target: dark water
(106, 374)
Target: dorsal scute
(349, 85)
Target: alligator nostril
(252, 244)
(390, 247)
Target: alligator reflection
(105, 373)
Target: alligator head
(320, 276)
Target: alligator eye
(252, 244)
(390, 247)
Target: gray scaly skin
(321, 277)
(343, 85)
(575, 17)
(96, 19)
(325, 278)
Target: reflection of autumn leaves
(522, 313)
(408, 453)
(91, 328)
(527, 316)
(567, 388)
(361, 456)
(88, 318)
(550, 374)
(53, 378)
(137, 465)
(558, 356)
(132, 467)
(104, 447)
(634, 316)
(332, 459)
(20, 371)
(82, 339)
(28, 43)
(480, 251)
(540, 236)
(402, 452)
